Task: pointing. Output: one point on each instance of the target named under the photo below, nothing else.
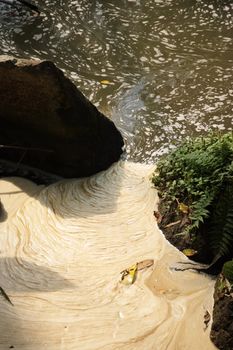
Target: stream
(63, 248)
(162, 71)
(168, 64)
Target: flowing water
(62, 252)
(169, 63)
(167, 67)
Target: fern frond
(196, 173)
(220, 233)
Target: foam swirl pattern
(62, 250)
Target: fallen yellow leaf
(183, 208)
(105, 82)
(129, 275)
(189, 252)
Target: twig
(27, 148)
(5, 296)
(172, 224)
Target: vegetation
(195, 183)
(228, 271)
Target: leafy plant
(220, 224)
(228, 271)
(199, 174)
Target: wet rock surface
(47, 123)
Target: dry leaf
(144, 264)
(189, 252)
(183, 208)
(129, 275)
(105, 82)
(158, 216)
(172, 224)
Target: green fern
(228, 270)
(199, 173)
(220, 226)
(194, 173)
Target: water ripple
(181, 51)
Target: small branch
(5, 296)
(27, 148)
(172, 224)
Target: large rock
(41, 108)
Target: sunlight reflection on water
(169, 63)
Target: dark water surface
(168, 64)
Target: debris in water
(128, 276)
(105, 82)
(5, 296)
(145, 263)
(206, 319)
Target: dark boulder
(53, 126)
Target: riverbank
(195, 215)
(221, 331)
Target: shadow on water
(21, 276)
(18, 275)
(66, 198)
(3, 213)
(20, 279)
(74, 198)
